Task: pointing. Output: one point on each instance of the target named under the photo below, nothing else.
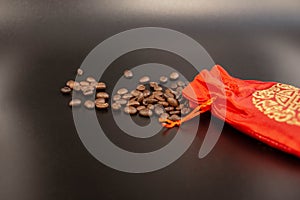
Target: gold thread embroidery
(280, 102)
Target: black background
(42, 44)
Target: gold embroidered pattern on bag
(280, 102)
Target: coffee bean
(163, 79)
(84, 83)
(159, 93)
(173, 86)
(89, 104)
(121, 101)
(122, 91)
(185, 111)
(146, 112)
(90, 79)
(174, 76)
(168, 109)
(75, 102)
(173, 102)
(163, 103)
(174, 118)
(180, 107)
(127, 96)
(168, 95)
(159, 110)
(99, 100)
(128, 74)
(149, 101)
(146, 93)
(180, 84)
(140, 98)
(133, 103)
(103, 105)
(153, 84)
(101, 86)
(87, 88)
(140, 108)
(102, 95)
(116, 106)
(174, 112)
(79, 72)
(141, 87)
(163, 116)
(144, 79)
(66, 90)
(87, 92)
(135, 93)
(159, 98)
(70, 84)
(158, 88)
(116, 97)
(77, 87)
(130, 110)
(150, 106)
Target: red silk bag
(267, 111)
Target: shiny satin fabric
(266, 111)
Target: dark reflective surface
(42, 43)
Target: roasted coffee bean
(180, 107)
(90, 79)
(135, 93)
(174, 118)
(101, 86)
(149, 101)
(133, 103)
(168, 95)
(163, 117)
(146, 112)
(116, 97)
(89, 104)
(159, 98)
(128, 74)
(122, 101)
(79, 72)
(140, 98)
(146, 93)
(174, 76)
(70, 84)
(159, 110)
(87, 92)
(180, 84)
(141, 87)
(66, 90)
(93, 84)
(140, 108)
(163, 103)
(150, 106)
(158, 88)
(168, 109)
(153, 84)
(102, 95)
(84, 83)
(127, 96)
(130, 110)
(75, 102)
(173, 102)
(102, 105)
(122, 91)
(87, 88)
(159, 93)
(174, 112)
(115, 106)
(163, 79)
(173, 86)
(185, 111)
(99, 100)
(144, 79)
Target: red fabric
(272, 117)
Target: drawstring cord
(197, 111)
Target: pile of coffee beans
(87, 88)
(147, 99)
